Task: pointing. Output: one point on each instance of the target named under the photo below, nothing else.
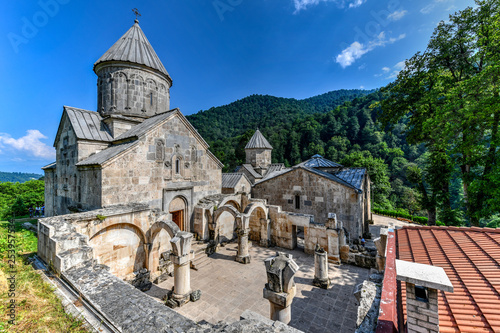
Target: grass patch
(37, 308)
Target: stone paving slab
(229, 288)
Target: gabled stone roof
(251, 170)
(332, 177)
(106, 154)
(49, 166)
(143, 127)
(327, 175)
(318, 161)
(135, 48)
(230, 180)
(258, 141)
(353, 176)
(87, 125)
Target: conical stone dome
(132, 80)
(135, 48)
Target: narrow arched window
(297, 202)
(177, 166)
(151, 99)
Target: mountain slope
(259, 111)
(17, 177)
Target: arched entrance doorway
(178, 208)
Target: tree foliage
(16, 198)
(450, 96)
(347, 132)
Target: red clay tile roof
(471, 259)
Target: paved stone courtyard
(229, 288)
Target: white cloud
(356, 3)
(394, 71)
(428, 9)
(304, 4)
(400, 65)
(397, 15)
(356, 50)
(30, 144)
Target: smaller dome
(258, 141)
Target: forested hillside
(345, 132)
(263, 111)
(16, 198)
(20, 177)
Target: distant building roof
(135, 48)
(318, 161)
(106, 154)
(88, 125)
(333, 177)
(471, 259)
(230, 180)
(275, 167)
(258, 141)
(353, 176)
(320, 173)
(251, 170)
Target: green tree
(376, 168)
(450, 96)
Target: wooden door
(178, 218)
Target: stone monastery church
(135, 175)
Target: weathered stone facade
(302, 191)
(134, 150)
(131, 90)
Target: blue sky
(216, 51)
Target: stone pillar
(243, 224)
(280, 288)
(321, 268)
(380, 244)
(265, 233)
(243, 256)
(182, 256)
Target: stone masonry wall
(131, 90)
(148, 173)
(259, 158)
(64, 192)
(318, 196)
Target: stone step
(199, 247)
(69, 241)
(200, 261)
(73, 257)
(199, 265)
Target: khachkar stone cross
(280, 288)
(137, 14)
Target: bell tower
(258, 152)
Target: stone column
(182, 256)
(321, 268)
(243, 225)
(380, 244)
(243, 256)
(280, 288)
